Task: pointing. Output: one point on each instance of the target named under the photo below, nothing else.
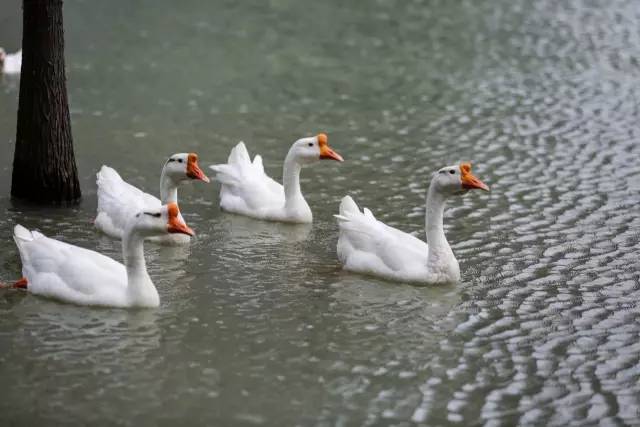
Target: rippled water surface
(258, 325)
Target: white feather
(119, 200)
(13, 63)
(246, 189)
(368, 246)
(69, 273)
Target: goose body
(247, 190)
(77, 275)
(368, 246)
(118, 200)
(10, 63)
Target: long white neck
(168, 189)
(291, 181)
(438, 245)
(140, 288)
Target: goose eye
(157, 215)
(452, 172)
(179, 160)
(311, 144)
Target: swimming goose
(118, 200)
(10, 63)
(76, 275)
(247, 190)
(368, 246)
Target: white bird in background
(10, 63)
(247, 190)
(368, 246)
(69, 273)
(118, 200)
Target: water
(258, 325)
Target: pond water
(258, 324)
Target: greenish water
(258, 325)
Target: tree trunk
(44, 166)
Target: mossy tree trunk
(44, 166)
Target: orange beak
(193, 170)
(325, 151)
(176, 224)
(469, 181)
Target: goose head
(183, 167)
(166, 219)
(457, 179)
(312, 149)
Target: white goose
(76, 275)
(247, 190)
(10, 63)
(118, 200)
(369, 246)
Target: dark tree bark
(44, 166)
